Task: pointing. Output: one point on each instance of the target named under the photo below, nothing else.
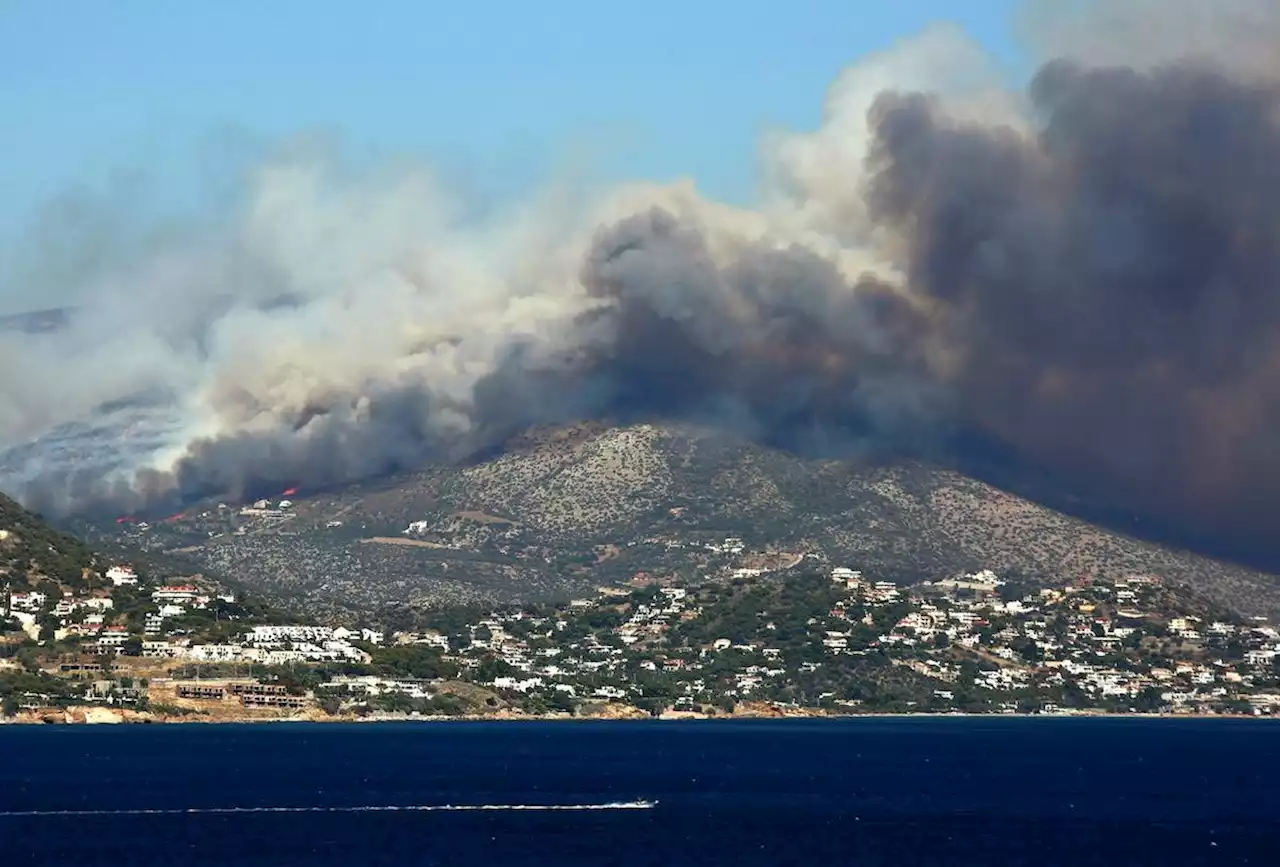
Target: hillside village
(792, 638)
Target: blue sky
(497, 93)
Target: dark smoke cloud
(774, 339)
(1111, 283)
(1085, 274)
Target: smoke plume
(1087, 271)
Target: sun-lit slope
(561, 509)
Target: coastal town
(125, 645)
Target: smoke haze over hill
(1086, 271)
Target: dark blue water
(902, 792)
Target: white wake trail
(377, 808)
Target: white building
(1264, 656)
(163, 650)
(32, 602)
(282, 634)
(176, 593)
(850, 578)
(122, 575)
(214, 652)
(516, 684)
(373, 685)
(113, 637)
(272, 657)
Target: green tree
(1148, 701)
(394, 702)
(652, 706)
(491, 668)
(560, 700)
(48, 627)
(412, 660)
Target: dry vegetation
(561, 510)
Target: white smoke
(814, 181)
(325, 288)
(386, 282)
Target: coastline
(96, 715)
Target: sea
(902, 791)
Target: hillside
(562, 510)
(31, 550)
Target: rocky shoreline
(96, 715)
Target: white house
(32, 602)
(850, 578)
(517, 685)
(214, 652)
(112, 636)
(1264, 656)
(176, 593)
(280, 634)
(122, 575)
(163, 650)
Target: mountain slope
(30, 549)
(899, 519)
(563, 509)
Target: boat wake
(377, 808)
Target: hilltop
(559, 511)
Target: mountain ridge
(561, 509)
